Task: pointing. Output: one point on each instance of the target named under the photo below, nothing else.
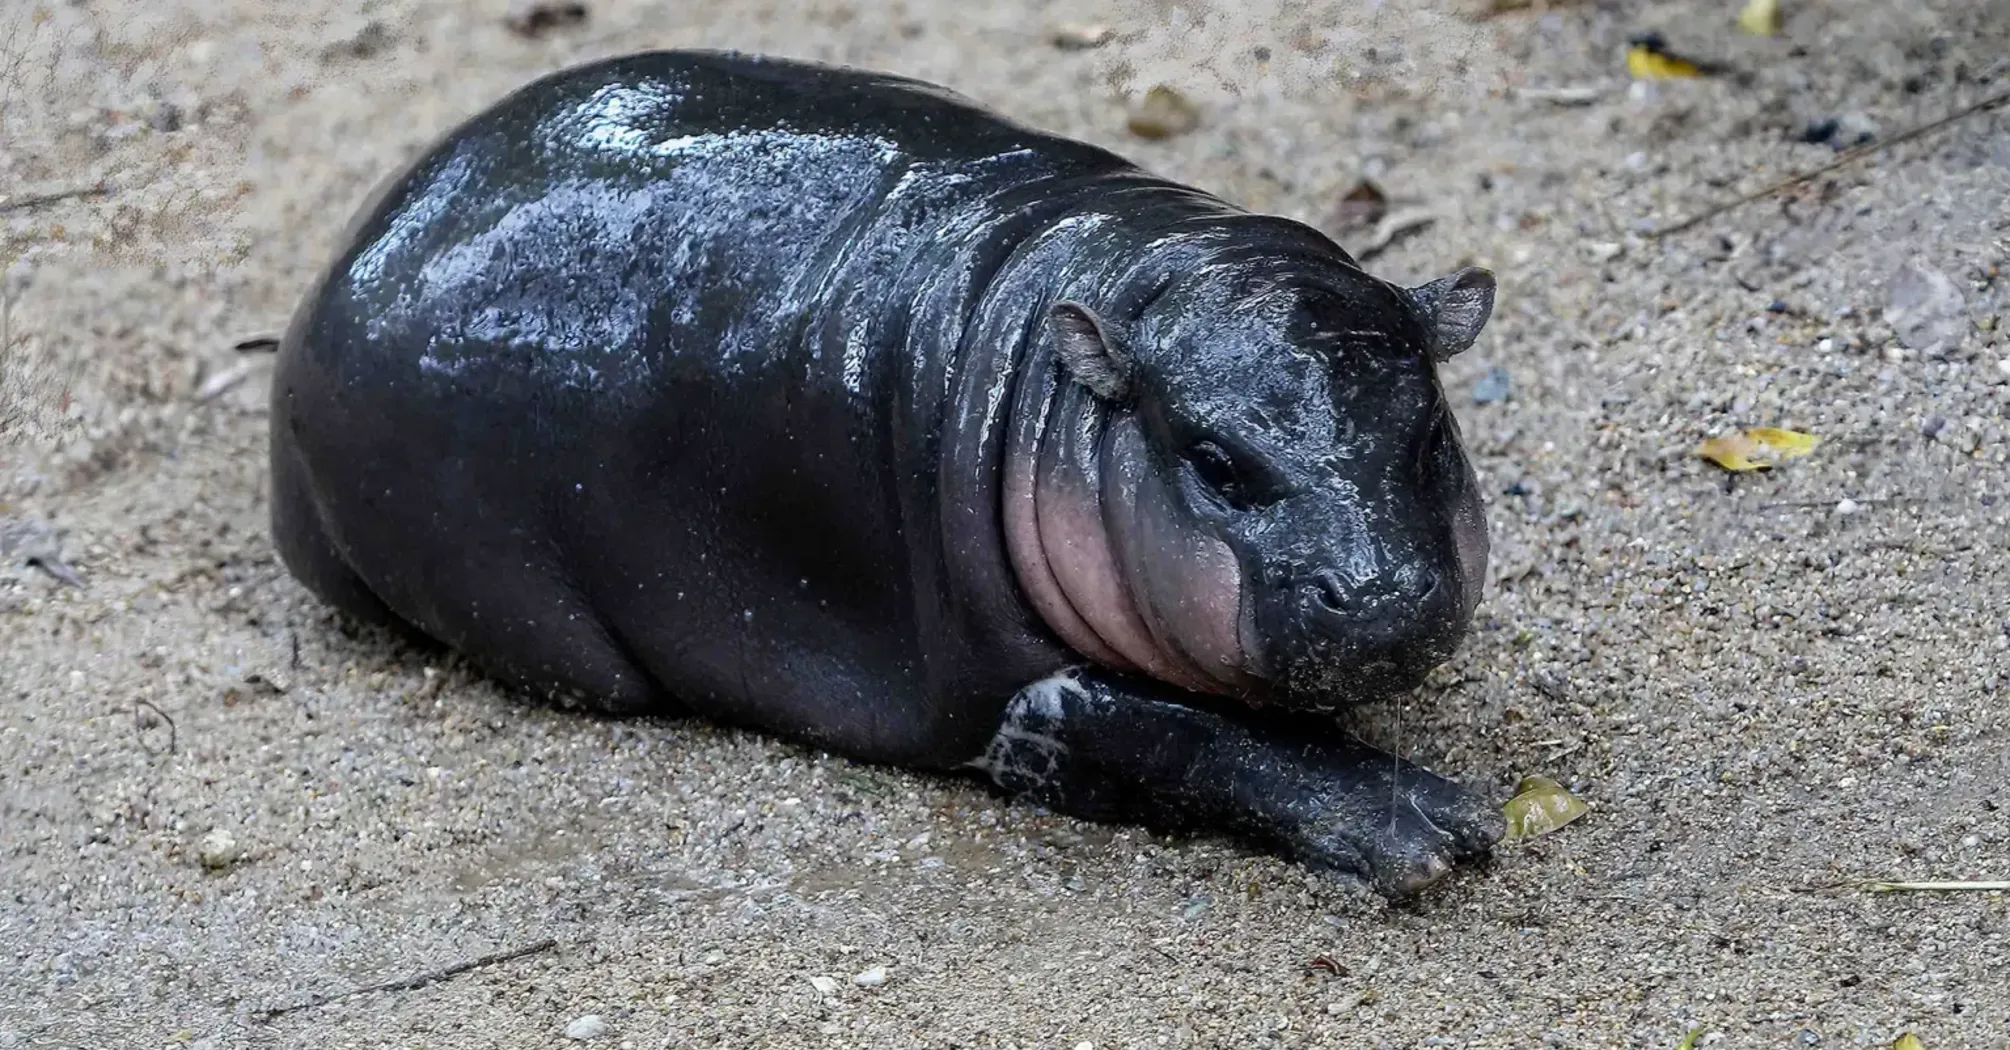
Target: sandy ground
(1765, 688)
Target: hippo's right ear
(1091, 352)
(1455, 308)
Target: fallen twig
(173, 733)
(38, 200)
(1850, 157)
(1999, 886)
(409, 983)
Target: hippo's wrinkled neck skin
(1113, 567)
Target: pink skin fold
(1033, 565)
(1113, 568)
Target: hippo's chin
(1328, 682)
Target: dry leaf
(1163, 114)
(1082, 37)
(1760, 17)
(1361, 208)
(1539, 806)
(536, 17)
(1648, 58)
(1756, 449)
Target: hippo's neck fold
(1113, 569)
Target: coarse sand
(1767, 686)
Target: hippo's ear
(1091, 352)
(1455, 308)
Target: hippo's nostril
(1329, 592)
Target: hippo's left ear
(1090, 351)
(1455, 308)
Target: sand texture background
(1765, 686)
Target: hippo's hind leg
(567, 654)
(1113, 748)
(307, 552)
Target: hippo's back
(625, 365)
(666, 202)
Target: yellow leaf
(1648, 63)
(1786, 444)
(1732, 452)
(1756, 449)
(1908, 1041)
(1539, 806)
(1760, 17)
(1689, 1041)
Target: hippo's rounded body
(827, 403)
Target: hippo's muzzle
(1338, 641)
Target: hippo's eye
(1218, 471)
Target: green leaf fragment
(1539, 806)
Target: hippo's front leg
(1108, 747)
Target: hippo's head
(1261, 490)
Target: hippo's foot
(1113, 748)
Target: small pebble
(1492, 387)
(1848, 507)
(1927, 309)
(219, 850)
(872, 978)
(1933, 425)
(588, 1026)
(824, 985)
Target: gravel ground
(1766, 686)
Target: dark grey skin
(829, 404)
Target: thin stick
(38, 200)
(173, 733)
(409, 983)
(1850, 157)
(1930, 887)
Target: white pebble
(588, 1026)
(1848, 507)
(872, 978)
(2003, 366)
(824, 985)
(219, 849)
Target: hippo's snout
(1363, 640)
